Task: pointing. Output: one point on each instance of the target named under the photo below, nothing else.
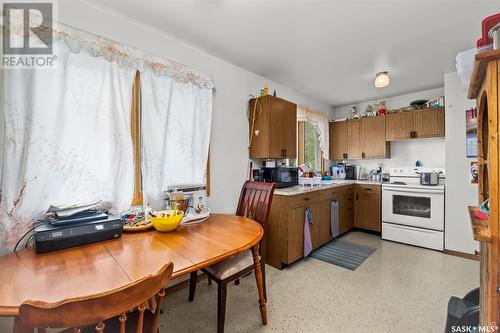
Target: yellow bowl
(167, 220)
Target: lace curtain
(125, 56)
(176, 122)
(67, 139)
(320, 122)
(67, 130)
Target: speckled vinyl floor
(399, 288)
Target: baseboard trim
(462, 254)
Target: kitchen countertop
(300, 189)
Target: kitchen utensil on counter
(428, 178)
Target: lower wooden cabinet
(368, 207)
(359, 206)
(285, 227)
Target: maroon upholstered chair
(255, 203)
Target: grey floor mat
(343, 253)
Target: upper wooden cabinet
(338, 140)
(354, 142)
(419, 124)
(429, 123)
(398, 126)
(275, 129)
(373, 140)
(357, 139)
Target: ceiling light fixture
(382, 80)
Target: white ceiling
(330, 50)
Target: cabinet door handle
(285, 153)
(307, 199)
(362, 155)
(367, 189)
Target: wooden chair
(254, 203)
(108, 312)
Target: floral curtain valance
(320, 122)
(124, 56)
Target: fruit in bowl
(166, 220)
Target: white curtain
(320, 122)
(176, 121)
(67, 139)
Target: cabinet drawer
(305, 199)
(368, 189)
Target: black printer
(57, 236)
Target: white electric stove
(413, 213)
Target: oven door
(417, 207)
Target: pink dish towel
(307, 232)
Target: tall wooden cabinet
(485, 88)
(274, 129)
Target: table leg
(260, 285)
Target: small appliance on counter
(344, 171)
(195, 196)
(351, 172)
(282, 176)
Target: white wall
(229, 140)
(460, 193)
(403, 153)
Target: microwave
(282, 176)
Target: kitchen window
(308, 146)
(136, 130)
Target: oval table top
(107, 265)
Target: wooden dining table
(108, 265)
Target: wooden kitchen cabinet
(429, 123)
(358, 139)
(285, 226)
(368, 207)
(374, 144)
(398, 126)
(419, 124)
(354, 141)
(338, 140)
(275, 128)
(346, 201)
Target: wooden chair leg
(221, 306)
(263, 268)
(237, 281)
(192, 285)
(260, 287)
